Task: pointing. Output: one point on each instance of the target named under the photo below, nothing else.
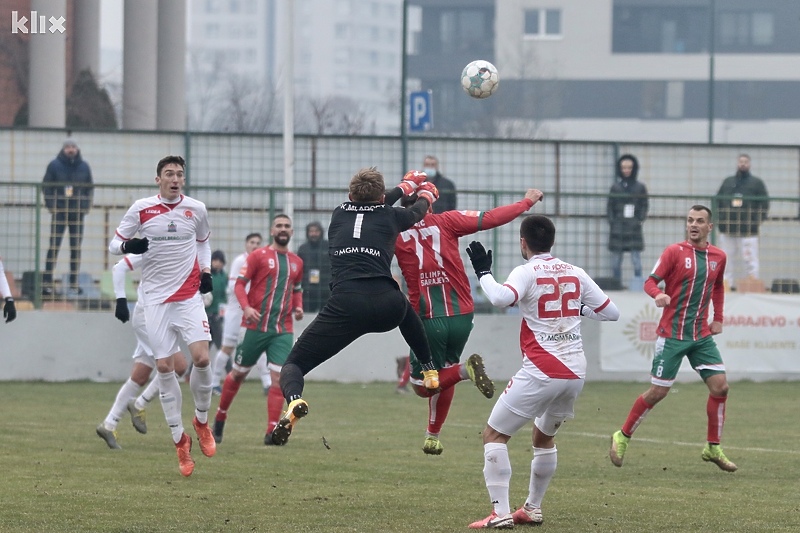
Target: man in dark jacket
(742, 204)
(446, 187)
(67, 189)
(316, 268)
(627, 210)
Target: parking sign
(420, 111)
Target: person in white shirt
(143, 362)
(233, 322)
(176, 262)
(552, 296)
(9, 309)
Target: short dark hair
(539, 232)
(251, 235)
(367, 185)
(281, 215)
(700, 207)
(178, 160)
(219, 255)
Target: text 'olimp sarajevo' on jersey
(275, 280)
(429, 256)
(549, 293)
(693, 278)
(170, 270)
(362, 236)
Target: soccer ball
(480, 79)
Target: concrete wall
(63, 346)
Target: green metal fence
(241, 180)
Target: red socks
(274, 406)
(715, 408)
(230, 388)
(638, 412)
(438, 407)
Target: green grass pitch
(59, 476)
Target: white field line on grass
(658, 441)
(678, 443)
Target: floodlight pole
(403, 98)
(711, 44)
(288, 109)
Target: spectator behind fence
(446, 188)
(67, 189)
(628, 204)
(316, 268)
(742, 204)
(216, 300)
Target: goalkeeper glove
(9, 310)
(481, 259)
(135, 246)
(428, 191)
(122, 312)
(206, 285)
(412, 180)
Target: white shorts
(550, 402)
(143, 353)
(231, 328)
(168, 322)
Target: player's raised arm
(499, 295)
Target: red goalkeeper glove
(411, 181)
(428, 191)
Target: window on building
(213, 30)
(462, 30)
(746, 28)
(660, 29)
(542, 23)
(342, 31)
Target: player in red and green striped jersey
(274, 298)
(430, 259)
(692, 272)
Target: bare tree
(334, 115)
(225, 100)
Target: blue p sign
(420, 111)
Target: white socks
(497, 473)
(126, 393)
(147, 395)
(171, 403)
(543, 466)
(263, 371)
(200, 383)
(220, 362)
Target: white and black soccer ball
(480, 79)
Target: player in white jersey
(552, 296)
(143, 362)
(174, 232)
(9, 309)
(233, 322)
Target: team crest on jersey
(172, 228)
(713, 265)
(188, 213)
(294, 267)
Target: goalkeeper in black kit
(364, 296)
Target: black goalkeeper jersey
(362, 237)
